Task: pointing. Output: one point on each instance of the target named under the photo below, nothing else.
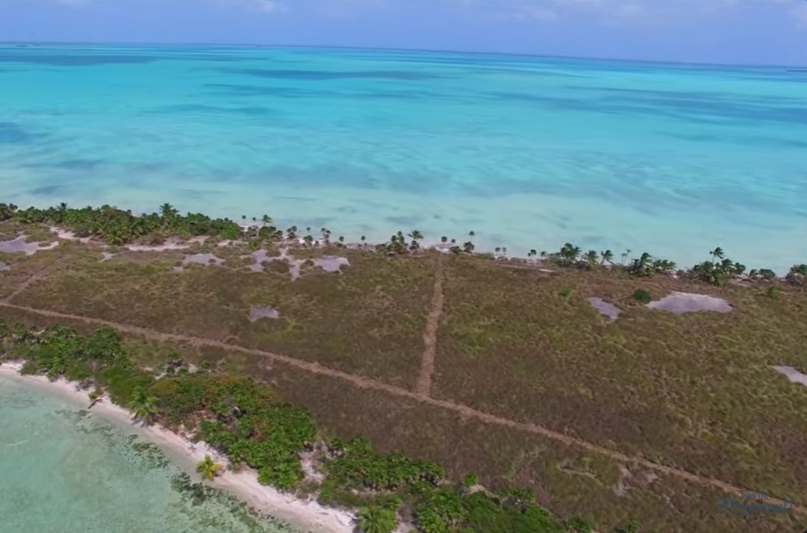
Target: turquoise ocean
(65, 470)
(527, 152)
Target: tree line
(117, 227)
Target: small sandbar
(606, 309)
(679, 303)
(19, 245)
(263, 311)
(792, 374)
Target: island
(421, 384)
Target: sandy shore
(299, 513)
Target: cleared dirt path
(366, 383)
(424, 386)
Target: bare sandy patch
(265, 311)
(328, 263)
(792, 374)
(679, 303)
(19, 245)
(608, 310)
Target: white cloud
(263, 6)
(71, 3)
(650, 10)
(800, 12)
(537, 13)
(270, 6)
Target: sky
(756, 32)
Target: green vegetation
(208, 469)
(116, 226)
(642, 296)
(377, 519)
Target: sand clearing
(606, 309)
(68, 235)
(300, 513)
(256, 313)
(200, 259)
(170, 244)
(679, 303)
(327, 263)
(792, 374)
(28, 248)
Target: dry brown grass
(695, 391)
(368, 320)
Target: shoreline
(299, 514)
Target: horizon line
(418, 50)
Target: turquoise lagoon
(65, 470)
(527, 152)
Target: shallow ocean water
(67, 471)
(527, 152)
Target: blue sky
(713, 31)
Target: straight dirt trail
(424, 385)
(366, 383)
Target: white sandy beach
(299, 513)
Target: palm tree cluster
(571, 256)
(116, 226)
(401, 244)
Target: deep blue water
(527, 152)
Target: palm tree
(607, 257)
(375, 519)
(168, 212)
(569, 254)
(591, 258)
(208, 469)
(624, 256)
(143, 406)
(95, 397)
(266, 219)
(716, 254)
(642, 266)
